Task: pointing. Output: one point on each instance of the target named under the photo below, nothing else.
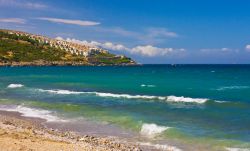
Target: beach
(20, 133)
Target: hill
(20, 49)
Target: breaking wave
(127, 96)
(60, 91)
(186, 99)
(12, 86)
(32, 112)
(152, 130)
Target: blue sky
(160, 31)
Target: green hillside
(22, 49)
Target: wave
(127, 96)
(152, 130)
(60, 91)
(162, 98)
(32, 112)
(164, 147)
(186, 99)
(12, 86)
(232, 88)
(149, 85)
(102, 94)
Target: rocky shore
(19, 133)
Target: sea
(183, 107)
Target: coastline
(58, 63)
(22, 133)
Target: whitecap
(12, 86)
(101, 94)
(186, 99)
(172, 99)
(152, 130)
(128, 96)
(232, 88)
(60, 91)
(32, 112)
(149, 85)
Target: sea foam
(152, 130)
(102, 94)
(167, 99)
(174, 99)
(185, 99)
(128, 96)
(12, 86)
(32, 112)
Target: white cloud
(69, 21)
(208, 50)
(34, 5)
(151, 51)
(248, 48)
(147, 50)
(22, 4)
(109, 45)
(225, 49)
(13, 20)
(160, 32)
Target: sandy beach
(20, 133)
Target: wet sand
(21, 133)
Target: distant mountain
(23, 49)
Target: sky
(150, 32)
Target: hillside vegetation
(22, 49)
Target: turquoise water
(206, 104)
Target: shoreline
(25, 133)
(58, 63)
(81, 129)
